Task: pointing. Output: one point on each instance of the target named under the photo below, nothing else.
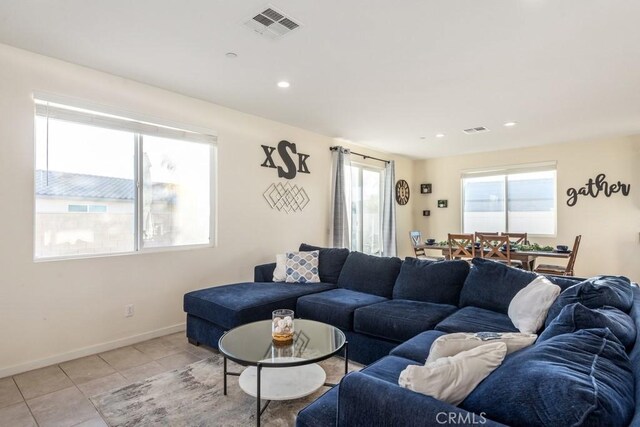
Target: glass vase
(282, 326)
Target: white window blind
(520, 198)
(68, 113)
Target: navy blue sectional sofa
(584, 368)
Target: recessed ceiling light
(510, 124)
(231, 55)
(283, 84)
(439, 135)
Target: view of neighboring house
(83, 214)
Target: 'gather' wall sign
(595, 187)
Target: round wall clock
(402, 192)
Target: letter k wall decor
(285, 196)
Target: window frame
(381, 171)
(137, 237)
(507, 170)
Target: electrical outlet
(129, 310)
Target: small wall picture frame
(425, 188)
(442, 203)
(426, 213)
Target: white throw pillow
(452, 344)
(280, 272)
(452, 379)
(302, 267)
(528, 309)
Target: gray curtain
(389, 242)
(341, 198)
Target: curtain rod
(364, 156)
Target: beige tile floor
(58, 395)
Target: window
(107, 184)
(366, 209)
(87, 208)
(514, 200)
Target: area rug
(192, 396)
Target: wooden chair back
(416, 240)
(574, 254)
(491, 247)
(486, 233)
(518, 238)
(461, 246)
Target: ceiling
(377, 73)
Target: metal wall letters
(285, 149)
(593, 188)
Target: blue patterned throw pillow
(302, 267)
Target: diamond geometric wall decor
(286, 197)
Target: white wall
(610, 227)
(54, 311)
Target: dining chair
(416, 240)
(461, 245)
(491, 247)
(486, 233)
(518, 238)
(559, 269)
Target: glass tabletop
(252, 343)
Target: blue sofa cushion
(492, 285)
(371, 274)
(264, 272)
(438, 282)
(399, 320)
(579, 379)
(576, 316)
(330, 262)
(635, 352)
(320, 413)
(474, 319)
(596, 292)
(563, 281)
(417, 348)
(233, 305)
(366, 401)
(388, 368)
(334, 307)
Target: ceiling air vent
(271, 23)
(479, 129)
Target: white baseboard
(87, 351)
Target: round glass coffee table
(281, 372)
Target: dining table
(528, 258)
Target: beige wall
(610, 227)
(53, 311)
